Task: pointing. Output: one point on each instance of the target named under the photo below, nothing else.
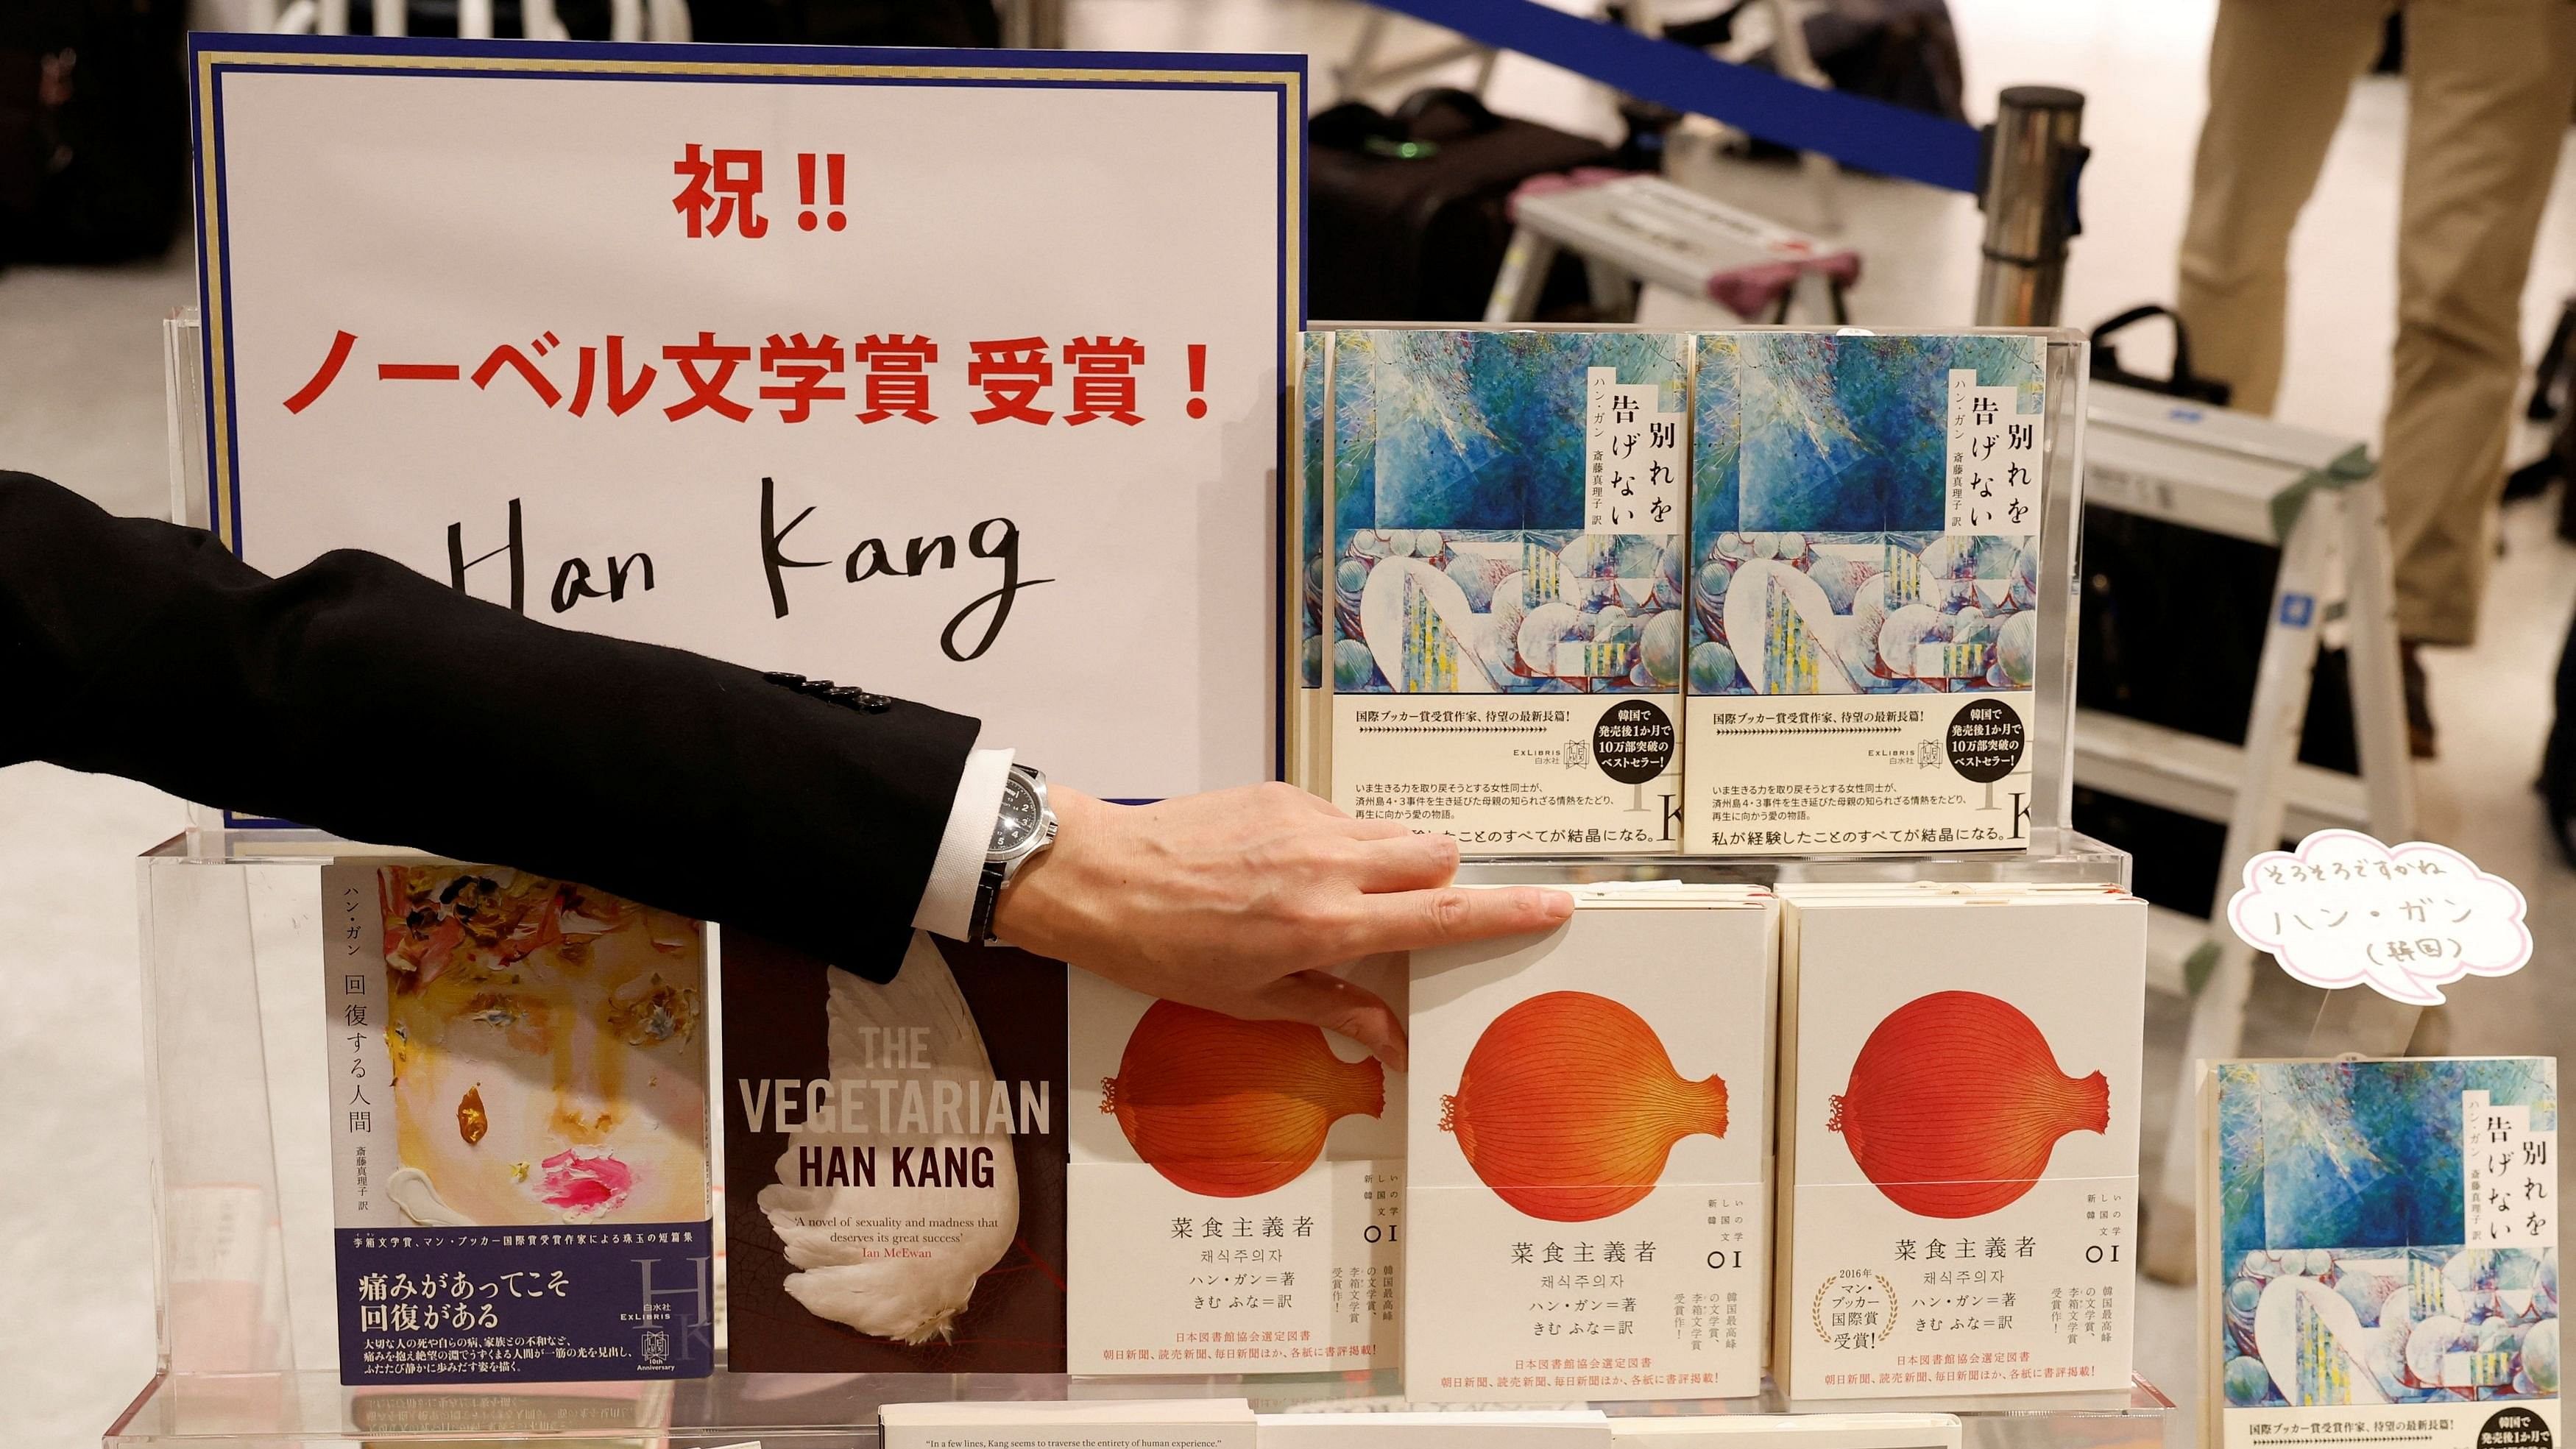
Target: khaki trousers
(2489, 86)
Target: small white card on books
(1069, 1424)
(1589, 1129)
(1235, 1191)
(1789, 1431)
(1959, 1143)
(1482, 1429)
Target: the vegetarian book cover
(894, 1162)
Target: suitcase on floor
(1904, 52)
(1407, 215)
(93, 129)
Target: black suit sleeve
(359, 697)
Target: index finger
(1334, 1004)
(1412, 920)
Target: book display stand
(249, 1344)
(244, 1257)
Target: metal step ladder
(1632, 229)
(2311, 495)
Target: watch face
(1018, 823)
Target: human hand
(1242, 901)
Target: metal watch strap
(988, 892)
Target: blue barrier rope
(1854, 130)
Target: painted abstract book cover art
(1589, 1136)
(519, 1128)
(1236, 1189)
(1314, 539)
(894, 1162)
(1310, 732)
(1507, 630)
(1865, 516)
(2380, 1248)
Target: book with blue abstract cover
(2379, 1251)
(1310, 550)
(1863, 620)
(1505, 586)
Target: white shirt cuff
(948, 901)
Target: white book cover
(1864, 592)
(1069, 1424)
(1959, 1144)
(1589, 1125)
(2379, 1252)
(1790, 1431)
(1235, 1192)
(1482, 1429)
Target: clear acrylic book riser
(231, 929)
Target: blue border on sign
(212, 56)
(923, 57)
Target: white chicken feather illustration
(915, 1296)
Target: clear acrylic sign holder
(248, 1348)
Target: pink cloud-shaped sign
(2406, 920)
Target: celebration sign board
(955, 375)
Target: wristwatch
(1025, 827)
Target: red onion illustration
(1228, 1108)
(1956, 1102)
(1569, 1106)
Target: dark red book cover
(894, 1162)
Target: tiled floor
(80, 400)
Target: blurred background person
(2490, 84)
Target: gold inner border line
(217, 330)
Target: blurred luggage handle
(1465, 104)
(2183, 382)
(1357, 126)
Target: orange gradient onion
(1569, 1106)
(1228, 1108)
(1956, 1102)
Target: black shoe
(2533, 478)
(2419, 707)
